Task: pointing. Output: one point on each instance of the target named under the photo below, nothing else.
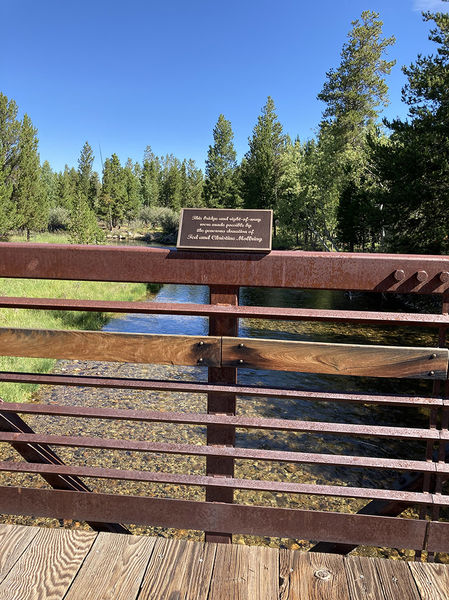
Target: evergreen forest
(360, 184)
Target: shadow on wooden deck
(75, 564)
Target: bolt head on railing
(399, 275)
(444, 276)
(422, 276)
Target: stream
(263, 407)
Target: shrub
(58, 219)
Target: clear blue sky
(128, 74)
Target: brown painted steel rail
(241, 312)
(223, 352)
(312, 270)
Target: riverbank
(42, 319)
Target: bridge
(217, 567)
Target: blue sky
(126, 74)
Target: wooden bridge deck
(37, 563)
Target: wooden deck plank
(49, 565)
(431, 579)
(263, 573)
(396, 580)
(178, 569)
(363, 579)
(230, 576)
(315, 576)
(285, 568)
(114, 568)
(72, 565)
(14, 540)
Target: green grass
(42, 238)
(41, 319)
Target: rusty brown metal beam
(228, 452)
(241, 312)
(227, 483)
(249, 520)
(333, 270)
(223, 421)
(199, 387)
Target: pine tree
(262, 169)
(113, 192)
(84, 228)
(9, 153)
(192, 184)
(66, 187)
(49, 184)
(7, 208)
(85, 169)
(171, 183)
(357, 91)
(150, 179)
(32, 210)
(290, 203)
(132, 185)
(354, 94)
(221, 186)
(414, 164)
(9, 137)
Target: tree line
(359, 184)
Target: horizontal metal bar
(203, 450)
(291, 269)
(320, 427)
(222, 482)
(242, 312)
(203, 388)
(185, 514)
(438, 537)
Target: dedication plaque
(225, 229)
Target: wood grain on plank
(178, 569)
(263, 573)
(14, 540)
(317, 577)
(230, 575)
(245, 573)
(49, 565)
(120, 347)
(336, 359)
(363, 580)
(431, 579)
(396, 580)
(114, 568)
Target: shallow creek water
(270, 407)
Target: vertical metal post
(444, 390)
(221, 403)
(432, 483)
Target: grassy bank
(40, 319)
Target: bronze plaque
(225, 229)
